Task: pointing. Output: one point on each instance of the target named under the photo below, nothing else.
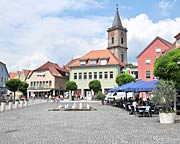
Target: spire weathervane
(116, 6)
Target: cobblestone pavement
(106, 125)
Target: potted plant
(100, 96)
(10, 103)
(164, 95)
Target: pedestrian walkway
(108, 125)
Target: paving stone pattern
(108, 125)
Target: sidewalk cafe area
(134, 97)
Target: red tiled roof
(53, 68)
(98, 55)
(12, 75)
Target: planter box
(167, 118)
(3, 106)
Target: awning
(39, 90)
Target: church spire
(117, 20)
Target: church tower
(117, 38)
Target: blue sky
(33, 32)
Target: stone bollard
(10, 104)
(80, 105)
(74, 106)
(25, 103)
(3, 104)
(16, 104)
(88, 106)
(21, 104)
(60, 106)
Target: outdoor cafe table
(142, 110)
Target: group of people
(139, 102)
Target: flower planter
(3, 104)
(167, 118)
(10, 104)
(16, 104)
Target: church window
(122, 40)
(122, 57)
(112, 40)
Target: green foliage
(124, 78)
(71, 85)
(166, 67)
(100, 96)
(129, 65)
(95, 85)
(13, 85)
(165, 94)
(23, 87)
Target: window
(1, 79)
(83, 62)
(93, 62)
(148, 61)
(40, 74)
(80, 75)
(50, 83)
(111, 74)
(95, 75)
(158, 50)
(104, 62)
(75, 75)
(112, 40)
(148, 74)
(179, 42)
(90, 75)
(100, 75)
(105, 75)
(31, 84)
(85, 75)
(122, 40)
(122, 57)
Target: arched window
(122, 40)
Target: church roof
(117, 20)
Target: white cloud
(32, 34)
(141, 31)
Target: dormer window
(93, 62)
(83, 62)
(103, 61)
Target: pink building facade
(147, 57)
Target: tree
(71, 86)
(165, 94)
(100, 96)
(13, 85)
(23, 87)
(124, 78)
(167, 67)
(95, 85)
